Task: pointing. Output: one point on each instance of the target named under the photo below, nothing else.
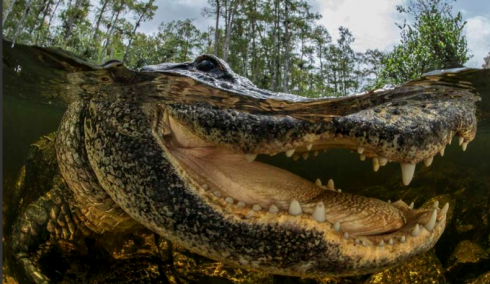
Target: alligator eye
(206, 65)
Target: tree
(434, 40)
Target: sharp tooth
(407, 173)
(436, 205)
(339, 190)
(296, 157)
(428, 161)
(403, 239)
(460, 140)
(360, 150)
(464, 146)
(445, 209)
(315, 153)
(364, 243)
(295, 208)
(273, 209)
(389, 201)
(217, 193)
(411, 205)
(319, 213)
(241, 204)
(375, 164)
(205, 186)
(336, 226)
(305, 155)
(432, 221)
(381, 244)
(318, 182)
(250, 157)
(362, 158)
(256, 207)
(229, 200)
(309, 146)
(357, 241)
(290, 152)
(383, 161)
(330, 185)
(346, 235)
(442, 151)
(390, 242)
(450, 138)
(416, 230)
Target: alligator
(174, 147)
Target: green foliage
(277, 44)
(435, 40)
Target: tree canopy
(279, 45)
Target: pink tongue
(250, 182)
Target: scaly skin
(126, 150)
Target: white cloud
(172, 10)
(477, 33)
(372, 23)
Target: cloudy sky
(370, 21)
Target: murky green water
(462, 178)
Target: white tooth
(362, 158)
(305, 155)
(217, 193)
(295, 208)
(364, 243)
(296, 157)
(445, 209)
(229, 200)
(319, 213)
(460, 140)
(315, 153)
(436, 205)
(273, 209)
(318, 182)
(290, 152)
(336, 226)
(428, 161)
(402, 239)
(411, 205)
(339, 190)
(381, 244)
(432, 221)
(464, 146)
(360, 150)
(389, 201)
(346, 235)
(357, 241)
(407, 173)
(442, 151)
(375, 164)
(330, 185)
(416, 230)
(205, 186)
(450, 138)
(383, 161)
(309, 146)
(390, 242)
(256, 207)
(250, 157)
(241, 204)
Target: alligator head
(175, 146)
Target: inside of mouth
(246, 187)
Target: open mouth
(240, 187)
